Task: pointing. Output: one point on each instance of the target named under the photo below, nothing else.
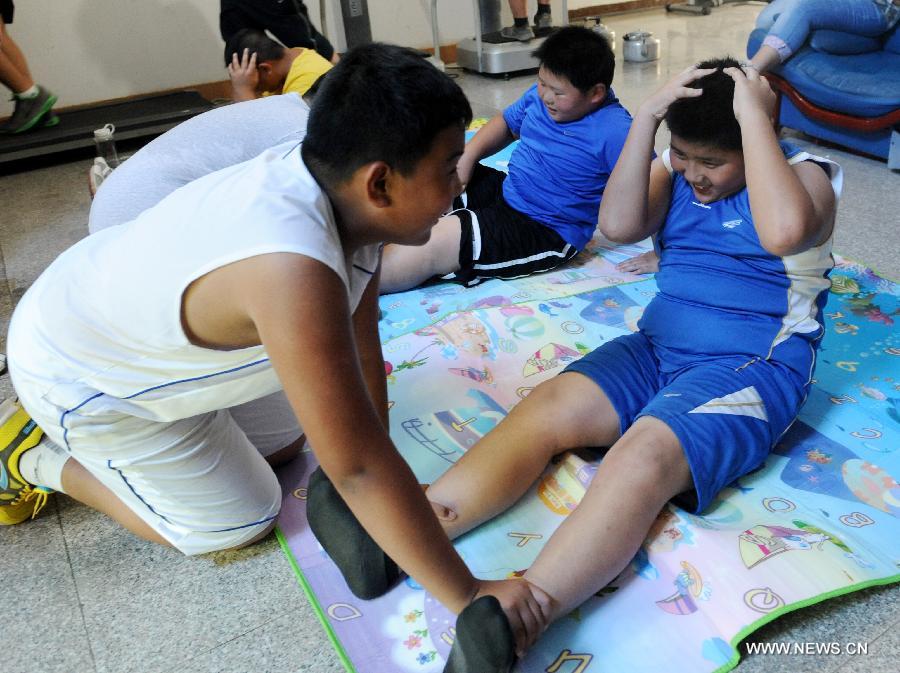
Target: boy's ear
(377, 179)
(597, 93)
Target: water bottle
(106, 145)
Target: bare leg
(568, 411)
(765, 59)
(639, 474)
(13, 66)
(84, 487)
(408, 266)
(519, 8)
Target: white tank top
(100, 334)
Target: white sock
(43, 465)
(29, 93)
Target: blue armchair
(843, 89)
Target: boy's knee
(651, 455)
(202, 542)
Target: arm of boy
(793, 206)
(636, 197)
(307, 331)
(368, 347)
(244, 76)
(490, 138)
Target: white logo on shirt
(731, 224)
(701, 205)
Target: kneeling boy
(172, 357)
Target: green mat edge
(775, 614)
(738, 638)
(314, 602)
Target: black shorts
(6, 10)
(497, 241)
(288, 20)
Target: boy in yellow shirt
(259, 66)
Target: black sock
(521, 23)
(368, 571)
(484, 640)
(543, 9)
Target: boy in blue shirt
(717, 372)
(571, 129)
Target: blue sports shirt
(722, 293)
(558, 171)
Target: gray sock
(484, 640)
(368, 571)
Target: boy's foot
(29, 111)
(484, 640)
(50, 119)
(19, 500)
(368, 571)
(520, 33)
(543, 20)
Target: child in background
(259, 66)
(571, 129)
(717, 372)
(173, 359)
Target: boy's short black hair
(709, 118)
(583, 57)
(265, 48)
(380, 102)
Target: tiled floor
(82, 595)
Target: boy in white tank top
(171, 358)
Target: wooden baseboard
(616, 8)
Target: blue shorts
(727, 412)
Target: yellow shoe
(19, 500)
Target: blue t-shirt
(558, 171)
(722, 293)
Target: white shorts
(203, 482)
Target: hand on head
(677, 87)
(243, 72)
(752, 93)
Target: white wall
(91, 50)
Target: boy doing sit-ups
(721, 363)
(258, 65)
(173, 358)
(571, 129)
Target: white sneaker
(97, 173)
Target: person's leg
(520, 30)
(543, 18)
(566, 412)
(197, 484)
(407, 266)
(638, 475)
(790, 22)
(14, 71)
(34, 104)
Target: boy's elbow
(614, 233)
(786, 241)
